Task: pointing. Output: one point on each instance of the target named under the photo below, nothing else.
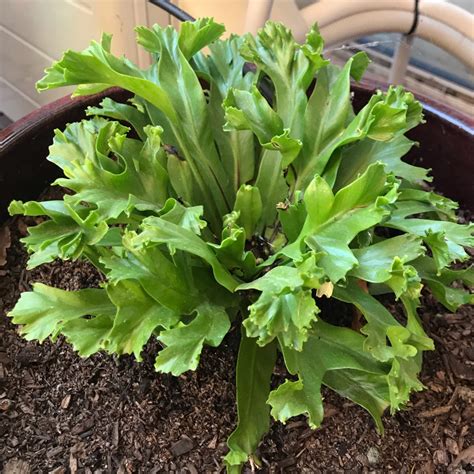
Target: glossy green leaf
(159, 276)
(272, 185)
(122, 112)
(231, 250)
(292, 218)
(333, 221)
(248, 203)
(88, 335)
(290, 67)
(374, 261)
(138, 315)
(355, 159)
(45, 311)
(384, 262)
(184, 343)
(381, 325)
(439, 282)
(388, 341)
(70, 232)
(446, 239)
(224, 70)
(97, 69)
(84, 152)
(189, 218)
(329, 349)
(444, 207)
(284, 309)
(193, 36)
(385, 117)
(254, 370)
(157, 230)
(251, 111)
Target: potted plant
(221, 196)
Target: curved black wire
(416, 15)
(173, 10)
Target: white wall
(232, 12)
(34, 33)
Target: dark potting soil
(60, 413)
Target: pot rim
(24, 144)
(29, 122)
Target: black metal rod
(172, 10)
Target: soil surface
(60, 413)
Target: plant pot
(446, 146)
(446, 141)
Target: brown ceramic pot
(446, 145)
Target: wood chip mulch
(60, 413)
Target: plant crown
(225, 194)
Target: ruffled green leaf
(97, 69)
(254, 370)
(439, 282)
(224, 70)
(193, 36)
(384, 262)
(231, 250)
(374, 262)
(46, 311)
(189, 218)
(325, 120)
(70, 232)
(88, 335)
(405, 344)
(184, 343)
(444, 207)
(284, 309)
(138, 315)
(329, 349)
(157, 230)
(136, 179)
(382, 325)
(385, 117)
(333, 221)
(122, 112)
(446, 239)
(250, 111)
(290, 67)
(355, 159)
(160, 277)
